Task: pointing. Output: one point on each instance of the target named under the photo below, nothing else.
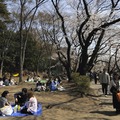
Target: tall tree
(26, 18)
(90, 30)
(4, 20)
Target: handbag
(6, 110)
(118, 96)
(113, 89)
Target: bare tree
(26, 18)
(89, 31)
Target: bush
(82, 81)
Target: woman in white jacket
(30, 105)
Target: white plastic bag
(7, 110)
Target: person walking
(105, 81)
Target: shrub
(82, 81)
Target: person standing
(115, 87)
(95, 77)
(105, 81)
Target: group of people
(48, 85)
(111, 84)
(7, 81)
(26, 101)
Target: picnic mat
(38, 113)
(43, 81)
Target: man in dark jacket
(21, 97)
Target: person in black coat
(115, 87)
(21, 97)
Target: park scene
(59, 59)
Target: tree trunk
(21, 72)
(2, 62)
(68, 70)
(1, 69)
(82, 68)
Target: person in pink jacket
(30, 105)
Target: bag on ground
(7, 110)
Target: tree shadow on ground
(107, 113)
(92, 118)
(104, 103)
(49, 106)
(73, 90)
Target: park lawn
(66, 105)
(45, 98)
(13, 89)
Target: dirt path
(104, 109)
(72, 107)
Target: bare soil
(68, 105)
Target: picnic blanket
(38, 113)
(43, 81)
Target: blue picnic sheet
(38, 113)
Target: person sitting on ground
(43, 87)
(48, 84)
(58, 78)
(1, 82)
(53, 85)
(6, 82)
(21, 97)
(3, 99)
(38, 86)
(31, 105)
(5, 107)
(58, 84)
(11, 81)
(4, 77)
(37, 78)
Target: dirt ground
(68, 105)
